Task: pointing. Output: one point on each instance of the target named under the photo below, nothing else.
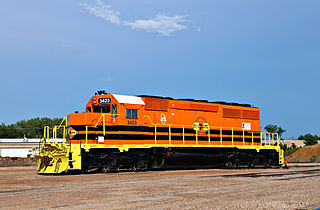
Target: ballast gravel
(295, 188)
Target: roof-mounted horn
(100, 92)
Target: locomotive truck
(120, 132)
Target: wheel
(251, 164)
(105, 170)
(267, 163)
(229, 165)
(236, 163)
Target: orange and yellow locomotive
(141, 132)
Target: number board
(104, 100)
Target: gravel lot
(297, 187)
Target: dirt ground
(304, 154)
(7, 162)
(297, 187)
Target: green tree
(271, 128)
(293, 146)
(275, 129)
(309, 139)
(32, 128)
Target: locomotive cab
(99, 104)
(112, 105)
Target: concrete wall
(16, 152)
(24, 141)
(296, 142)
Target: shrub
(313, 159)
(289, 151)
(309, 139)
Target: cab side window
(114, 110)
(106, 109)
(132, 113)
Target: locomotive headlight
(94, 100)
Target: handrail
(183, 135)
(46, 132)
(54, 135)
(169, 134)
(64, 119)
(64, 129)
(221, 136)
(209, 140)
(269, 138)
(266, 139)
(103, 122)
(147, 116)
(244, 136)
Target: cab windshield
(101, 109)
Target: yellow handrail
(46, 134)
(196, 137)
(243, 140)
(231, 136)
(183, 134)
(209, 134)
(54, 134)
(170, 134)
(102, 116)
(252, 138)
(278, 143)
(221, 136)
(87, 134)
(155, 134)
(268, 138)
(64, 119)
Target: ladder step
(74, 169)
(72, 160)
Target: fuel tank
(194, 158)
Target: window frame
(131, 113)
(114, 110)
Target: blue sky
(55, 54)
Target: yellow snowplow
(54, 156)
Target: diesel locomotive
(120, 132)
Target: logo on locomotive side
(163, 118)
